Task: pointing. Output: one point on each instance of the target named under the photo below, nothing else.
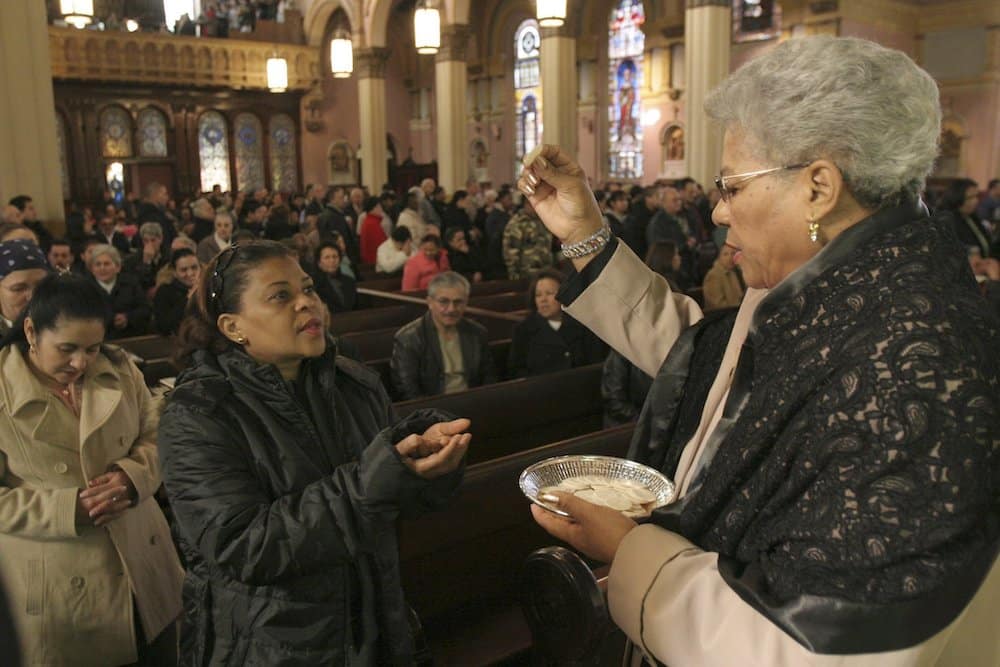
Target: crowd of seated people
(480, 234)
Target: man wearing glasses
(441, 352)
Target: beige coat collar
(101, 394)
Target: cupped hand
(438, 450)
(429, 458)
(558, 190)
(106, 498)
(593, 530)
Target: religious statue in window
(626, 100)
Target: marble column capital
(565, 30)
(454, 43)
(370, 63)
(696, 4)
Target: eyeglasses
(444, 303)
(217, 284)
(722, 182)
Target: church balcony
(166, 59)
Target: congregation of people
(146, 253)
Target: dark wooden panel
(454, 558)
(514, 416)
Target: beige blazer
(664, 592)
(72, 589)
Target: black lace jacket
(851, 488)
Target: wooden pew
(513, 416)
(147, 347)
(460, 565)
(377, 344)
(499, 301)
(375, 318)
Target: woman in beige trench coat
(85, 552)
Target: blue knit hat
(19, 254)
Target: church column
(369, 67)
(450, 86)
(28, 143)
(707, 33)
(559, 80)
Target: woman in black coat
(549, 340)
(170, 302)
(125, 296)
(286, 475)
(959, 204)
(338, 291)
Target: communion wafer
(532, 154)
(626, 496)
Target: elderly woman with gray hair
(834, 441)
(130, 311)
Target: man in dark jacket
(441, 352)
(154, 209)
(29, 218)
(496, 222)
(638, 219)
(335, 219)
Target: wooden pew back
(510, 417)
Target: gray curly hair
(869, 109)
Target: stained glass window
(625, 46)
(284, 160)
(116, 132)
(527, 90)
(63, 162)
(249, 152)
(213, 151)
(152, 133)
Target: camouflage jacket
(527, 246)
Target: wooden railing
(91, 55)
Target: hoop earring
(813, 230)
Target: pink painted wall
(979, 108)
(588, 129)
(880, 34)
(340, 119)
(398, 107)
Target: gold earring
(813, 230)
(242, 340)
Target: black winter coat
(537, 348)
(623, 389)
(285, 500)
(128, 297)
(852, 480)
(417, 366)
(339, 293)
(169, 306)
